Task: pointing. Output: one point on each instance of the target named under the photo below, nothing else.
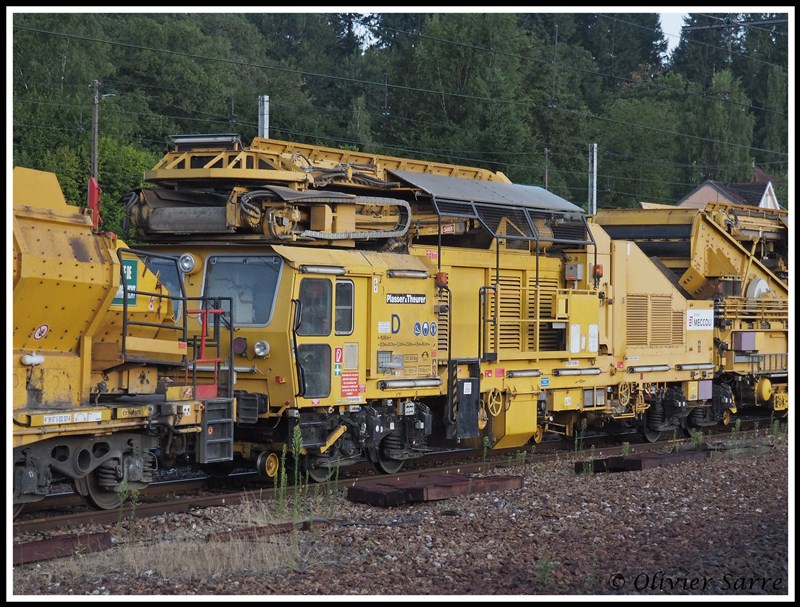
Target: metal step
(215, 443)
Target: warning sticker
(350, 384)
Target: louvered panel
(677, 328)
(490, 327)
(510, 312)
(443, 328)
(636, 320)
(549, 338)
(660, 320)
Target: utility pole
(263, 116)
(95, 123)
(96, 97)
(94, 187)
(385, 111)
(546, 162)
(592, 178)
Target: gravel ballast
(716, 527)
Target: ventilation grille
(636, 323)
(443, 327)
(677, 327)
(510, 312)
(660, 320)
(550, 340)
(651, 321)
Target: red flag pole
(94, 202)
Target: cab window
(344, 307)
(315, 307)
(167, 271)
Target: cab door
(350, 341)
(329, 325)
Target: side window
(167, 272)
(344, 307)
(315, 364)
(316, 301)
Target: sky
(671, 26)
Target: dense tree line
(521, 93)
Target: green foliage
(736, 430)
(297, 445)
(128, 497)
(697, 438)
(719, 114)
(487, 444)
(359, 129)
(544, 567)
(588, 465)
(281, 481)
(579, 435)
(629, 175)
(481, 89)
(774, 425)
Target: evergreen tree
(638, 145)
(493, 90)
(708, 47)
(718, 136)
(621, 44)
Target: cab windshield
(251, 281)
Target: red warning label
(350, 386)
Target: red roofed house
(758, 193)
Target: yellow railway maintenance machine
(737, 257)
(104, 385)
(386, 306)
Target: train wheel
(166, 462)
(384, 463)
(483, 418)
(538, 435)
(94, 495)
(318, 474)
(651, 436)
(726, 417)
(388, 465)
(268, 464)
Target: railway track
(65, 511)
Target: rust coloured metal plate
(428, 487)
(644, 461)
(63, 545)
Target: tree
(638, 134)
(358, 129)
(719, 132)
(621, 43)
(763, 69)
(469, 105)
(707, 48)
